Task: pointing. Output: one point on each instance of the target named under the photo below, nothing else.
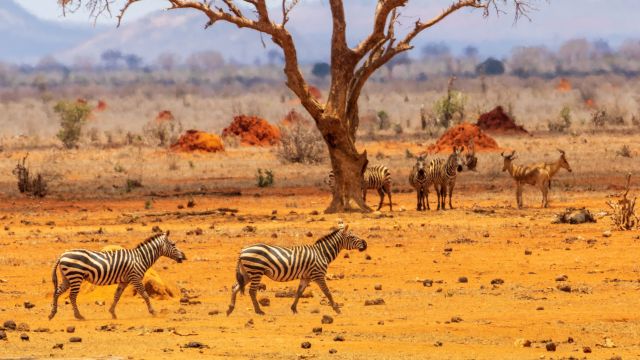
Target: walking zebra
(443, 174)
(376, 177)
(307, 263)
(110, 267)
(419, 179)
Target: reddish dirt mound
(194, 140)
(252, 130)
(102, 105)
(563, 85)
(498, 121)
(294, 118)
(460, 136)
(164, 116)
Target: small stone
(346, 255)
(265, 301)
(427, 283)
(191, 203)
(606, 234)
(249, 229)
(463, 279)
(71, 329)
(309, 234)
(565, 288)
(550, 346)
(274, 212)
(58, 346)
(497, 281)
(562, 278)
(24, 337)
(570, 340)
(28, 305)
(456, 319)
(274, 235)
(381, 322)
(438, 344)
(528, 252)
(539, 308)
(214, 312)
(306, 345)
(195, 345)
(586, 350)
(332, 351)
(9, 325)
(485, 234)
(180, 207)
(368, 257)
(378, 287)
(75, 339)
(315, 212)
(23, 327)
(378, 301)
(249, 324)
(3, 335)
(41, 330)
(156, 229)
(317, 330)
(338, 338)
(326, 319)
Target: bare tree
(337, 118)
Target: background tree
(321, 70)
(337, 117)
(490, 66)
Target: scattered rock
(607, 343)
(274, 235)
(23, 327)
(71, 329)
(28, 305)
(522, 343)
(562, 278)
(3, 335)
(9, 325)
(438, 344)
(326, 319)
(378, 287)
(367, 257)
(539, 308)
(41, 330)
(346, 255)
(427, 283)
(378, 301)
(265, 301)
(317, 330)
(497, 281)
(249, 229)
(309, 234)
(332, 351)
(24, 337)
(249, 324)
(528, 252)
(306, 345)
(156, 229)
(550, 346)
(570, 340)
(191, 203)
(456, 319)
(586, 350)
(606, 234)
(75, 339)
(195, 345)
(338, 338)
(214, 312)
(565, 288)
(463, 279)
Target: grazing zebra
(376, 177)
(110, 267)
(307, 263)
(443, 175)
(531, 175)
(419, 179)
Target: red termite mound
(461, 135)
(195, 140)
(252, 130)
(497, 121)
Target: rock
(249, 324)
(607, 343)
(346, 255)
(528, 252)
(367, 257)
(24, 337)
(456, 319)
(23, 327)
(562, 278)
(274, 235)
(156, 229)
(586, 350)
(381, 322)
(3, 335)
(540, 308)
(41, 330)
(332, 351)
(522, 343)
(497, 281)
(427, 283)
(463, 279)
(378, 287)
(570, 340)
(317, 330)
(75, 339)
(550, 346)
(326, 319)
(9, 325)
(58, 346)
(249, 229)
(71, 329)
(606, 234)
(306, 345)
(309, 234)
(378, 301)
(315, 212)
(214, 312)
(438, 344)
(191, 203)
(565, 288)
(195, 345)
(338, 338)
(28, 305)
(265, 301)
(274, 212)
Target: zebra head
(420, 167)
(351, 241)
(456, 156)
(168, 248)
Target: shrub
(132, 184)
(449, 107)
(383, 120)
(163, 131)
(26, 184)
(624, 151)
(601, 117)
(397, 129)
(300, 143)
(73, 115)
(264, 178)
(564, 123)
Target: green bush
(448, 107)
(264, 178)
(564, 123)
(383, 120)
(73, 115)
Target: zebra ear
(345, 228)
(166, 234)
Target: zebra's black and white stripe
(419, 179)
(376, 177)
(443, 174)
(307, 263)
(120, 267)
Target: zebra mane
(149, 240)
(326, 237)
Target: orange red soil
(461, 135)
(195, 140)
(252, 130)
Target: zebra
(120, 267)
(376, 177)
(306, 262)
(443, 175)
(420, 180)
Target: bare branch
(383, 9)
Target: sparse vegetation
(73, 115)
(624, 151)
(264, 178)
(300, 143)
(383, 120)
(132, 184)
(34, 186)
(564, 123)
(450, 108)
(624, 216)
(162, 132)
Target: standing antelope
(443, 174)
(553, 167)
(531, 175)
(419, 179)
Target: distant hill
(26, 38)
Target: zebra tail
(240, 278)
(54, 275)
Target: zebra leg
(234, 292)
(301, 287)
(443, 197)
(426, 197)
(56, 294)
(388, 191)
(137, 283)
(116, 297)
(253, 290)
(381, 193)
(325, 289)
(519, 195)
(450, 195)
(419, 196)
(437, 189)
(73, 296)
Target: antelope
(553, 167)
(530, 174)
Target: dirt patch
(497, 121)
(461, 135)
(195, 140)
(252, 130)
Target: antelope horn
(561, 151)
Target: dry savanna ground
(482, 281)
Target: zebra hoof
(336, 309)
(294, 310)
(79, 317)
(259, 312)
(52, 315)
(230, 310)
